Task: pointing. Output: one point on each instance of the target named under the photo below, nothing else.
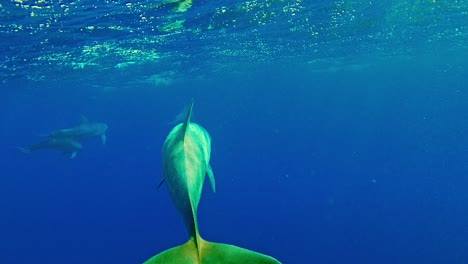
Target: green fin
(212, 253)
(187, 118)
(183, 254)
(229, 254)
(209, 171)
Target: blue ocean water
(339, 128)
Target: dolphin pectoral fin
(73, 155)
(161, 183)
(209, 171)
(212, 253)
(104, 139)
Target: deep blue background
(331, 167)
(339, 128)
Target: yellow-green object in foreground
(186, 157)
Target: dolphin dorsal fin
(187, 118)
(83, 120)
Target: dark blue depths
(350, 150)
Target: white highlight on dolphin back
(186, 155)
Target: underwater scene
(260, 131)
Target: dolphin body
(186, 156)
(84, 130)
(64, 145)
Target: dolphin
(65, 145)
(186, 157)
(84, 130)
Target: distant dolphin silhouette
(186, 157)
(84, 130)
(65, 145)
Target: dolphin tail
(211, 253)
(25, 150)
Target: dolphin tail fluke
(229, 254)
(211, 253)
(183, 254)
(25, 150)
